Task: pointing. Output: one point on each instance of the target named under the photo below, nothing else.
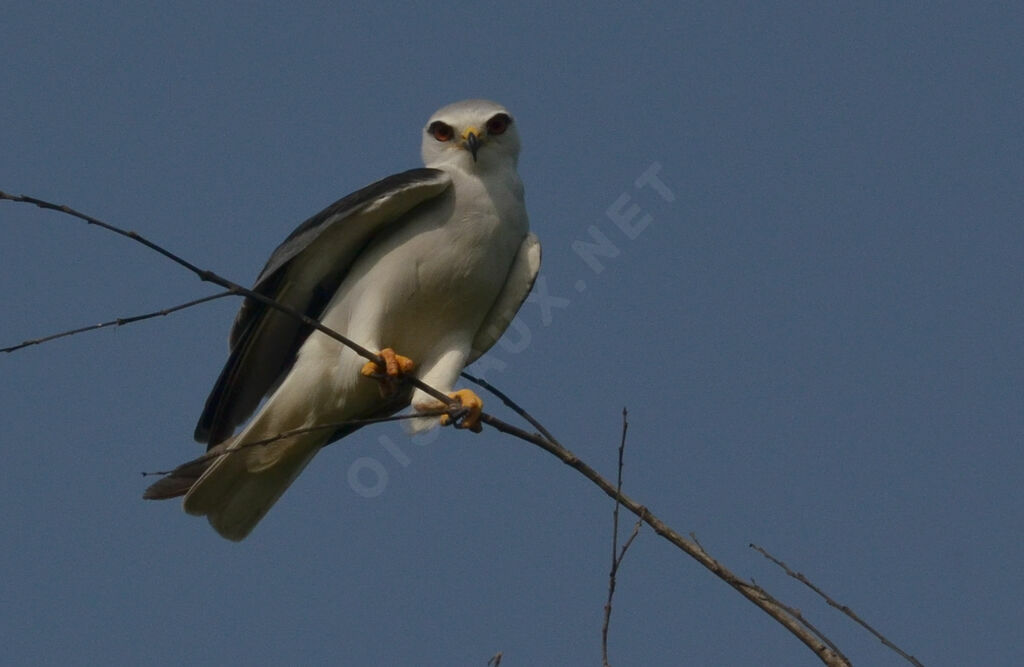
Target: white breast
(437, 274)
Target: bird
(426, 267)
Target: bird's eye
(441, 131)
(498, 123)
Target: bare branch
(750, 591)
(632, 536)
(212, 454)
(116, 322)
(234, 288)
(841, 607)
(510, 403)
(798, 614)
(789, 618)
(617, 556)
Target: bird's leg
(464, 409)
(471, 406)
(395, 366)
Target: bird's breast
(441, 269)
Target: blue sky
(817, 334)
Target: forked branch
(841, 607)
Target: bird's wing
(518, 284)
(303, 273)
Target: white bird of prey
(428, 267)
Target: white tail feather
(237, 491)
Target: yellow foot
(474, 408)
(395, 366)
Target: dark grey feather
(303, 273)
(178, 481)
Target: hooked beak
(472, 140)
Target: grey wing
(303, 273)
(518, 284)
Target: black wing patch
(263, 340)
(306, 233)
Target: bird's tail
(177, 482)
(235, 486)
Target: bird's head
(473, 135)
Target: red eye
(498, 123)
(441, 131)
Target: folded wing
(264, 341)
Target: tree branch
(509, 403)
(234, 288)
(115, 322)
(841, 607)
(212, 453)
(749, 590)
(797, 614)
(617, 556)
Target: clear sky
(816, 322)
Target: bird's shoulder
(401, 191)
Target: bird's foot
(395, 366)
(467, 413)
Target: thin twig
(841, 607)
(212, 454)
(632, 536)
(744, 588)
(510, 403)
(748, 590)
(803, 619)
(616, 555)
(693, 536)
(116, 322)
(757, 595)
(797, 625)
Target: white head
(472, 135)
